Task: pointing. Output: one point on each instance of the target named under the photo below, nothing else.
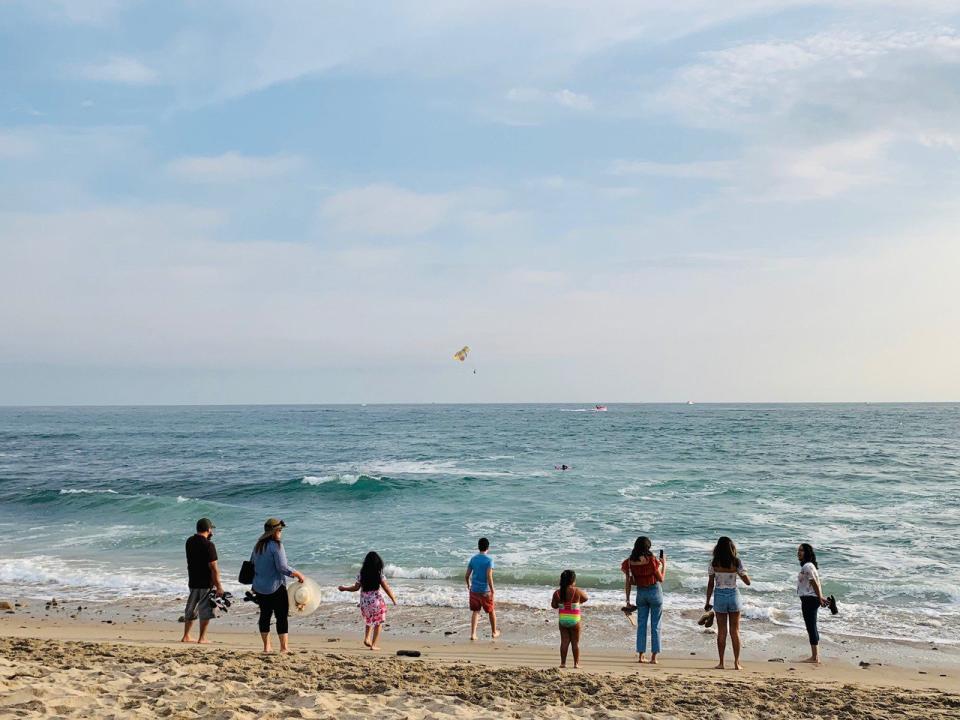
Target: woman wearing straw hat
(270, 563)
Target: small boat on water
(599, 408)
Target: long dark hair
(567, 578)
(725, 554)
(264, 541)
(371, 572)
(641, 548)
(809, 556)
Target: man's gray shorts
(197, 604)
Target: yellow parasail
(462, 353)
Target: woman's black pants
(810, 606)
(278, 604)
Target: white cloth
(724, 580)
(808, 573)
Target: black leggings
(810, 606)
(276, 603)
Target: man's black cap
(204, 524)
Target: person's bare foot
(737, 666)
(267, 650)
(367, 643)
(284, 651)
(719, 667)
(496, 634)
(187, 639)
(375, 648)
(653, 660)
(810, 660)
(203, 641)
(576, 666)
(473, 637)
(642, 660)
(563, 666)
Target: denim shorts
(727, 600)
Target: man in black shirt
(203, 576)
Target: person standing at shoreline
(270, 563)
(646, 572)
(722, 572)
(568, 600)
(203, 575)
(373, 608)
(811, 597)
(479, 580)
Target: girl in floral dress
(373, 608)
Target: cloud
(707, 170)
(836, 69)
(231, 167)
(385, 210)
(564, 97)
(121, 70)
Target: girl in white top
(722, 573)
(811, 597)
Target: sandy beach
(61, 667)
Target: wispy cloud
(385, 210)
(119, 69)
(705, 170)
(757, 82)
(231, 167)
(564, 97)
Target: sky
(608, 201)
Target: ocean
(95, 503)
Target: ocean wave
(44, 576)
(420, 573)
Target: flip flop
(832, 604)
(707, 619)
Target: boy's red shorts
(481, 601)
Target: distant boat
(690, 402)
(599, 408)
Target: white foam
(342, 479)
(86, 491)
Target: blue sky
(320, 202)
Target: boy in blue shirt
(479, 580)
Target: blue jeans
(649, 602)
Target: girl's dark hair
(725, 554)
(263, 542)
(809, 556)
(567, 578)
(371, 572)
(641, 548)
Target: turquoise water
(98, 501)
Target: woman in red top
(646, 572)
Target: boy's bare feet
(496, 634)
(719, 667)
(737, 666)
(811, 660)
(203, 641)
(473, 637)
(187, 638)
(375, 647)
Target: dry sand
(69, 669)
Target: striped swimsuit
(569, 612)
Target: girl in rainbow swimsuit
(568, 600)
